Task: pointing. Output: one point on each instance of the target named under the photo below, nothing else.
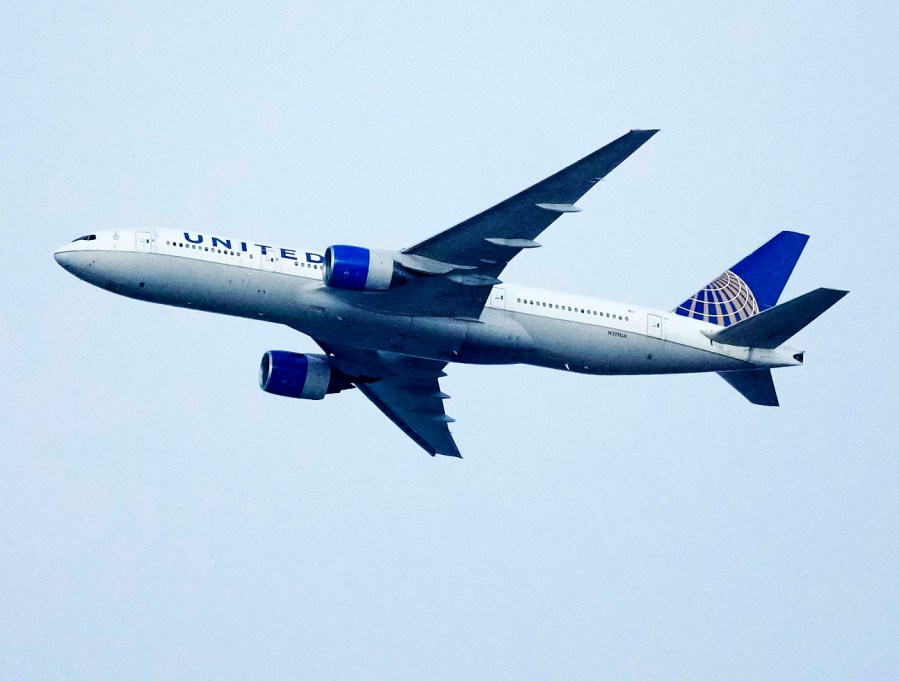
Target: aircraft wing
(461, 264)
(406, 389)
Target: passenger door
(144, 241)
(498, 298)
(269, 262)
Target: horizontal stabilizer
(772, 327)
(756, 385)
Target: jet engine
(353, 268)
(291, 374)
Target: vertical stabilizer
(751, 286)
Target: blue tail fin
(751, 286)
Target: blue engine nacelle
(291, 374)
(353, 268)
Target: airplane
(389, 322)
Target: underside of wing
(489, 240)
(459, 266)
(406, 389)
(413, 407)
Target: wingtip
(836, 293)
(454, 454)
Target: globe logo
(726, 300)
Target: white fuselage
(518, 324)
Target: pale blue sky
(161, 517)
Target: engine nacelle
(353, 268)
(291, 374)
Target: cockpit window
(86, 237)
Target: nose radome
(62, 256)
(73, 259)
(72, 253)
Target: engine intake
(353, 268)
(291, 374)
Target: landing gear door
(653, 326)
(498, 298)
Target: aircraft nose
(73, 253)
(63, 256)
(75, 260)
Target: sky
(161, 517)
